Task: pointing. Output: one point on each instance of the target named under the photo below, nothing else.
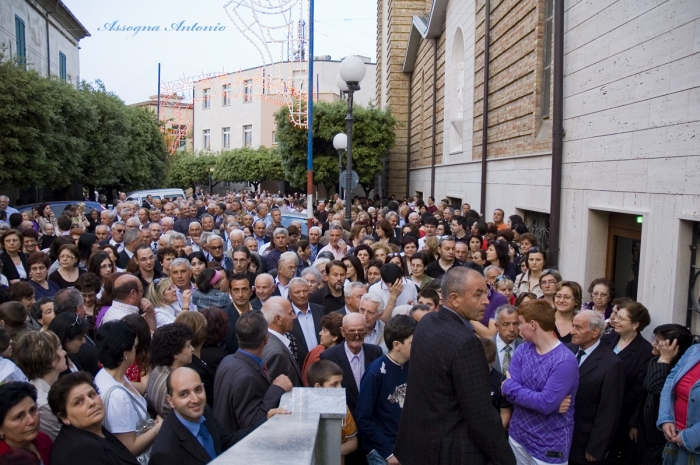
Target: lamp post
(352, 72)
(211, 187)
(340, 142)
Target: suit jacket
(317, 312)
(280, 361)
(243, 393)
(175, 444)
(8, 266)
(497, 363)
(601, 385)
(256, 303)
(123, 259)
(337, 355)
(448, 417)
(93, 449)
(231, 338)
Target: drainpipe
(557, 134)
(485, 112)
(408, 144)
(432, 167)
(48, 46)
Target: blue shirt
(257, 359)
(192, 427)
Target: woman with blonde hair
(380, 251)
(163, 295)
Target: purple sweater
(537, 386)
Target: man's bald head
(127, 289)
(353, 319)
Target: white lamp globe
(352, 69)
(340, 141)
(342, 85)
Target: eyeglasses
(600, 294)
(77, 321)
(563, 297)
(356, 334)
(147, 259)
(119, 230)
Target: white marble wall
(632, 121)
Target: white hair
(374, 298)
(350, 285)
(271, 310)
(291, 256)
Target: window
(62, 66)
(248, 91)
(206, 141)
(248, 135)
(547, 58)
(274, 137)
(206, 98)
(226, 138)
(21, 41)
(226, 95)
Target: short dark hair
(67, 301)
(321, 371)
(35, 310)
(490, 349)
(239, 277)
(420, 256)
(36, 258)
(4, 339)
(430, 219)
(605, 282)
(398, 328)
(333, 263)
(167, 342)
(113, 338)
(163, 251)
(20, 290)
(390, 272)
(637, 312)
(677, 332)
(251, 329)
(88, 282)
(64, 222)
(13, 313)
(12, 394)
(241, 248)
(58, 395)
(333, 322)
(366, 248)
(68, 326)
(430, 294)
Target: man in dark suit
(307, 323)
(601, 387)
(277, 353)
(244, 395)
(132, 240)
(239, 288)
(353, 356)
(507, 338)
(190, 435)
(448, 417)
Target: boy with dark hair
(326, 374)
(382, 392)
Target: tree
(186, 169)
(146, 151)
(249, 165)
(373, 137)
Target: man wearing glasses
(117, 239)
(128, 299)
(146, 260)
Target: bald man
(127, 297)
(190, 435)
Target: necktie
(293, 346)
(207, 441)
(506, 359)
(267, 373)
(580, 354)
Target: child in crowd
(496, 378)
(326, 374)
(430, 298)
(504, 286)
(382, 392)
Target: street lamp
(352, 72)
(211, 187)
(340, 142)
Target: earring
(68, 423)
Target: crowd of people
(165, 332)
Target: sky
(127, 63)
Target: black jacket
(317, 312)
(91, 449)
(8, 266)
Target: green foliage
(373, 137)
(54, 135)
(249, 165)
(186, 169)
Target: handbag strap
(139, 408)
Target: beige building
(177, 116)
(237, 109)
(44, 34)
(629, 188)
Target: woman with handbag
(126, 412)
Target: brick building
(630, 183)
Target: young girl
(504, 286)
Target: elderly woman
(329, 337)
(635, 351)
(14, 261)
(567, 303)
(75, 401)
(171, 347)
(602, 292)
(68, 270)
(549, 279)
(530, 281)
(198, 325)
(19, 417)
(126, 412)
(163, 296)
(381, 251)
(38, 264)
(208, 293)
(40, 356)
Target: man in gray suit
(277, 354)
(507, 338)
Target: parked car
(288, 217)
(59, 206)
(140, 196)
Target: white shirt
(588, 351)
(284, 290)
(119, 246)
(262, 249)
(121, 416)
(281, 337)
(409, 292)
(500, 349)
(165, 315)
(119, 310)
(306, 321)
